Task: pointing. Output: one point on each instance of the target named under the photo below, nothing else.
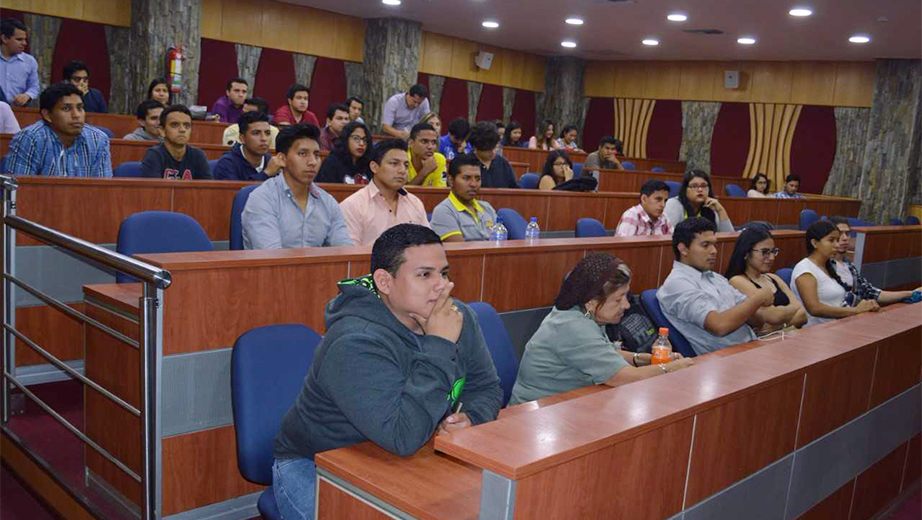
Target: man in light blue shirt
(702, 304)
(61, 144)
(404, 110)
(289, 210)
(18, 70)
(791, 185)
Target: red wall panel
(523, 111)
(14, 14)
(218, 64)
(275, 73)
(86, 42)
(813, 149)
(423, 79)
(454, 101)
(664, 137)
(491, 103)
(600, 121)
(730, 143)
(328, 86)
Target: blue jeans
(294, 482)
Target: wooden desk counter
(536, 159)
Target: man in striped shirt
(647, 218)
(61, 144)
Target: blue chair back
(127, 169)
(211, 165)
(507, 366)
(109, 133)
(529, 181)
(236, 223)
(159, 232)
(807, 218)
(896, 222)
(514, 223)
(577, 170)
(429, 217)
(734, 190)
(657, 169)
(589, 227)
(912, 220)
(785, 274)
(674, 188)
(628, 165)
(268, 367)
(679, 343)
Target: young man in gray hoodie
(401, 361)
(148, 115)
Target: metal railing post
(8, 195)
(151, 355)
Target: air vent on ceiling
(703, 31)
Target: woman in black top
(750, 269)
(513, 136)
(348, 161)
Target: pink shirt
(367, 214)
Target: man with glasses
(77, 74)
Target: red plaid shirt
(635, 222)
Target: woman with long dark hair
(513, 135)
(816, 283)
(750, 269)
(348, 161)
(544, 137)
(696, 199)
(159, 90)
(570, 350)
(759, 186)
(558, 168)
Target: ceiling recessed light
(390, 2)
(746, 40)
(568, 44)
(490, 24)
(650, 41)
(800, 11)
(575, 21)
(859, 38)
(677, 17)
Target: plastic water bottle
(499, 233)
(662, 349)
(532, 231)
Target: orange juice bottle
(662, 349)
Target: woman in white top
(544, 137)
(696, 199)
(816, 283)
(758, 188)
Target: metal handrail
(160, 278)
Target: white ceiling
(613, 31)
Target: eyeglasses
(357, 138)
(767, 251)
(698, 186)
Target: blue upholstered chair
(268, 366)
(657, 169)
(807, 218)
(514, 223)
(896, 222)
(236, 224)
(589, 227)
(211, 165)
(734, 190)
(127, 169)
(109, 133)
(529, 181)
(679, 343)
(912, 220)
(577, 169)
(159, 232)
(628, 165)
(674, 188)
(494, 331)
(785, 274)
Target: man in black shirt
(495, 171)
(174, 159)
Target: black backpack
(636, 331)
(578, 184)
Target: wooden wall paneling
(537, 72)
(279, 22)
(900, 247)
(493, 76)
(210, 206)
(528, 205)
(212, 16)
(643, 261)
(765, 135)
(644, 126)
(630, 79)
(585, 484)
(514, 72)
(752, 159)
(836, 393)
(772, 80)
(52, 330)
(184, 488)
(697, 80)
(117, 12)
(599, 79)
(787, 138)
(462, 59)
(854, 84)
(350, 39)
(663, 79)
(435, 54)
(836, 505)
(513, 292)
(726, 450)
(335, 503)
(876, 247)
(741, 94)
(467, 274)
(314, 22)
(615, 207)
(813, 82)
(789, 212)
(878, 485)
(899, 363)
(237, 18)
(566, 210)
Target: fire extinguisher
(174, 60)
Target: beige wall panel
(436, 57)
(59, 8)
(630, 79)
(599, 79)
(663, 79)
(854, 84)
(315, 26)
(646, 127)
(279, 23)
(514, 70)
(237, 22)
(814, 82)
(765, 140)
(774, 156)
(789, 138)
(212, 12)
(538, 72)
(350, 40)
(771, 81)
(741, 94)
(111, 12)
(462, 59)
(749, 171)
(697, 80)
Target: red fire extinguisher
(174, 60)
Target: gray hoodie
(373, 379)
(140, 134)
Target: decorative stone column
(436, 86)
(391, 63)
(474, 89)
(355, 80)
(247, 63)
(508, 103)
(304, 68)
(119, 93)
(563, 99)
(851, 141)
(155, 27)
(43, 35)
(698, 121)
